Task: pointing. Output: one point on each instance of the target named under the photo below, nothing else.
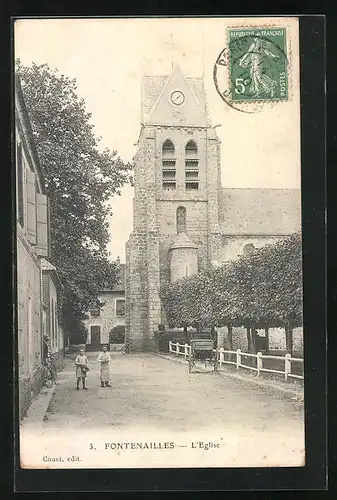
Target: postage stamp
(253, 68)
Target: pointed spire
(192, 113)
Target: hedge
(259, 290)
(117, 334)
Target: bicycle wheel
(45, 375)
(53, 373)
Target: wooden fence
(258, 362)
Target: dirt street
(155, 396)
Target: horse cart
(202, 350)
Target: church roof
(182, 241)
(154, 88)
(151, 88)
(260, 211)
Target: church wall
(213, 189)
(196, 226)
(196, 217)
(184, 262)
(232, 246)
(142, 262)
(277, 339)
(136, 324)
(164, 256)
(127, 290)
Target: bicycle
(49, 373)
(126, 348)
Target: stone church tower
(175, 206)
(183, 220)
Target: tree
(117, 334)
(80, 179)
(259, 290)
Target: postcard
(159, 252)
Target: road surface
(158, 398)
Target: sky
(108, 57)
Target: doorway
(95, 334)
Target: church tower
(176, 200)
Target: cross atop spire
(172, 47)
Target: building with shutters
(51, 327)
(102, 320)
(183, 219)
(34, 315)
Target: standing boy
(82, 368)
(104, 359)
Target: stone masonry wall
(277, 340)
(213, 189)
(136, 257)
(232, 246)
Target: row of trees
(260, 290)
(80, 179)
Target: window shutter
(31, 206)
(19, 166)
(42, 225)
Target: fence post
(222, 356)
(238, 358)
(177, 348)
(170, 346)
(287, 365)
(186, 346)
(259, 362)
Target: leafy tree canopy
(80, 179)
(259, 290)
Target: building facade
(183, 219)
(102, 320)
(33, 244)
(50, 316)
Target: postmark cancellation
(253, 68)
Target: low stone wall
(277, 339)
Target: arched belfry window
(191, 150)
(168, 149)
(168, 165)
(181, 220)
(191, 166)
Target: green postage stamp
(258, 64)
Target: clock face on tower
(177, 97)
